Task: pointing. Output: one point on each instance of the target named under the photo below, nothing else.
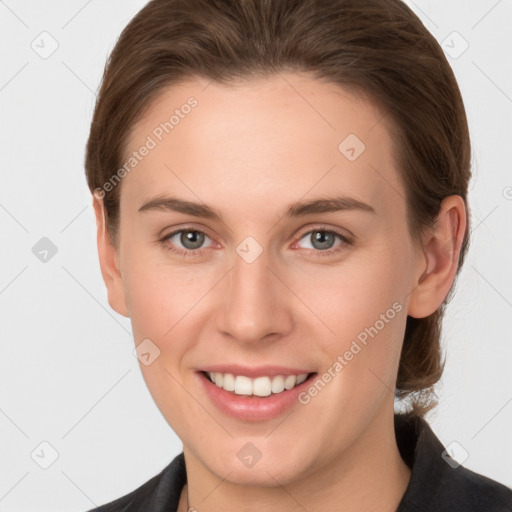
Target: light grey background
(67, 373)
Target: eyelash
(317, 252)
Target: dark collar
(435, 486)
(438, 483)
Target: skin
(249, 151)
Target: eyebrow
(298, 209)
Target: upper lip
(255, 371)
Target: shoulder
(438, 482)
(159, 493)
(466, 490)
(132, 501)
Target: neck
(370, 475)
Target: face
(261, 278)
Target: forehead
(284, 137)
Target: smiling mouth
(258, 387)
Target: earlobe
(109, 261)
(441, 249)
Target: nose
(256, 304)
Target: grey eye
(189, 239)
(320, 239)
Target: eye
(190, 240)
(322, 240)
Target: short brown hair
(377, 47)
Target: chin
(244, 464)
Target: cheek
(352, 297)
(161, 307)
(159, 295)
(363, 308)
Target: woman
(280, 191)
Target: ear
(109, 261)
(441, 248)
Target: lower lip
(252, 408)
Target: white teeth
(229, 382)
(301, 378)
(261, 386)
(243, 385)
(218, 379)
(290, 381)
(278, 384)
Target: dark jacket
(437, 484)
